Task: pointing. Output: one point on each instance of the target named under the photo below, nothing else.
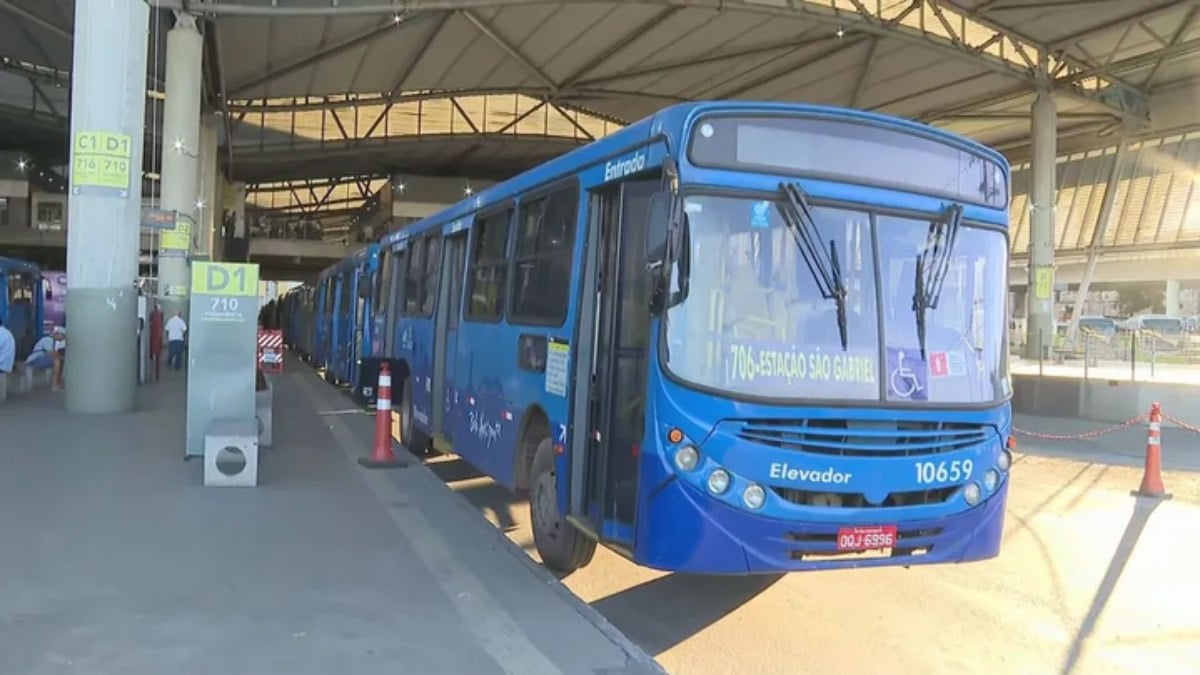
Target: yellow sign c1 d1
(101, 160)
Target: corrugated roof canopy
(967, 65)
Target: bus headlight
(1004, 461)
(972, 494)
(990, 479)
(687, 457)
(754, 496)
(718, 481)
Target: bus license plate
(866, 538)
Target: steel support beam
(509, 49)
(618, 46)
(1097, 244)
(1119, 24)
(312, 59)
(860, 87)
(35, 19)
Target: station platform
(116, 559)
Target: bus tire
(562, 548)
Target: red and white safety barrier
(270, 351)
(1152, 482)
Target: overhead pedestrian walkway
(117, 560)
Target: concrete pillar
(181, 151)
(1171, 300)
(208, 187)
(108, 100)
(1040, 326)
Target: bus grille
(862, 438)
(858, 500)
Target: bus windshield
(755, 323)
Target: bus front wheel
(563, 548)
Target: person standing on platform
(8, 353)
(156, 338)
(176, 329)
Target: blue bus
(296, 314)
(731, 338)
(346, 329)
(23, 294)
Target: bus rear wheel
(562, 548)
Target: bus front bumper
(698, 534)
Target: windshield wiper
(933, 263)
(826, 269)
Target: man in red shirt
(156, 338)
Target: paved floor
(115, 559)
(1180, 449)
(1174, 373)
(1089, 580)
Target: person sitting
(47, 355)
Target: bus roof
(668, 123)
(17, 265)
(350, 260)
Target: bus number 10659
(944, 472)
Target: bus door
(358, 322)
(17, 300)
(325, 322)
(445, 350)
(341, 325)
(617, 400)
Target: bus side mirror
(658, 221)
(49, 293)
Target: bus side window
(487, 276)
(412, 278)
(345, 292)
(395, 297)
(383, 289)
(542, 261)
(429, 284)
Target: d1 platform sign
(212, 278)
(223, 355)
(100, 163)
(225, 287)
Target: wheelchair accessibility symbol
(907, 375)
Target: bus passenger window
(20, 288)
(429, 285)
(412, 278)
(383, 291)
(488, 276)
(542, 281)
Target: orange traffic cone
(382, 456)
(1152, 482)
